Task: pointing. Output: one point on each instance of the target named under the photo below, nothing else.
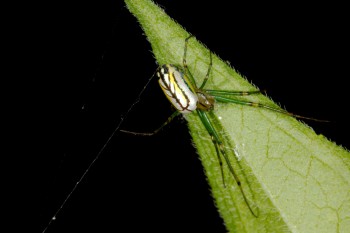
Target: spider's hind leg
(220, 149)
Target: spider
(181, 90)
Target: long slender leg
(219, 146)
(225, 99)
(208, 72)
(185, 52)
(234, 93)
(220, 160)
(184, 62)
(175, 114)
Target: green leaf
(297, 180)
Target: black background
(93, 59)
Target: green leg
(219, 146)
(187, 70)
(225, 99)
(208, 72)
(175, 114)
(184, 62)
(230, 93)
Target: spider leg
(219, 159)
(232, 93)
(184, 62)
(219, 147)
(208, 72)
(175, 114)
(225, 99)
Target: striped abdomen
(177, 88)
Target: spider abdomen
(177, 88)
